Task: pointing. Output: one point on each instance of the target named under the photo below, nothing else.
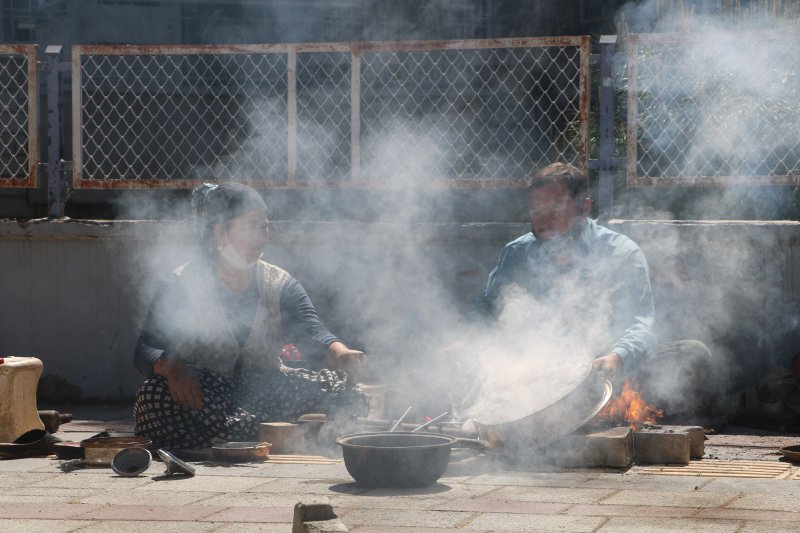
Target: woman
(210, 344)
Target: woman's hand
(183, 383)
(353, 362)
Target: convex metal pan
(565, 407)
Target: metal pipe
(431, 421)
(400, 420)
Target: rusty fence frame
(30, 52)
(634, 180)
(582, 43)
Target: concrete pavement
(37, 495)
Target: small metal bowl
(241, 452)
(131, 462)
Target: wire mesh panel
(480, 113)
(714, 110)
(360, 114)
(18, 116)
(156, 117)
(323, 115)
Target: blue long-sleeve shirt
(599, 290)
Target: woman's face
(247, 234)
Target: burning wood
(630, 407)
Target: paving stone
(390, 529)
(299, 487)
(766, 502)
(549, 494)
(51, 511)
(629, 510)
(749, 514)
(769, 527)
(612, 447)
(395, 502)
(647, 482)
(254, 499)
(501, 506)
(108, 480)
(661, 448)
(205, 483)
(139, 495)
(177, 513)
(252, 514)
(11, 480)
(41, 526)
(531, 522)
(241, 527)
(24, 465)
(46, 494)
(697, 438)
(663, 525)
(409, 518)
(782, 487)
(450, 491)
(143, 526)
(309, 471)
(670, 498)
(537, 479)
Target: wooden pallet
(286, 459)
(719, 468)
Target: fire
(630, 406)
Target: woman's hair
(219, 204)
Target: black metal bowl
(396, 459)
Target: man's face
(553, 211)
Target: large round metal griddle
(558, 400)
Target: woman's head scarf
(219, 204)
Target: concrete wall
(73, 293)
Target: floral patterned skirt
(234, 408)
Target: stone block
(697, 438)
(316, 518)
(610, 448)
(657, 447)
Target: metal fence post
(56, 193)
(605, 163)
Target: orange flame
(630, 406)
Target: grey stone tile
(456, 491)
(768, 526)
(406, 517)
(12, 480)
(238, 527)
(81, 480)
(778, 487)
(201, 483)
(325, 487)
(24, 465)
(660, 525)
(41, 526)
(532, 522)
(143, 526)
(140, 496)
(536, 479)
(647, 482)
(767, 502)
(665, 498)
(549, 494)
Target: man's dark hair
(571, 176)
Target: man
(591, 286)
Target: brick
(316, 517)
(610, 448)
(650, 447)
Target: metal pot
(571, 407)
(101, 451)
(241, 452)
(396, 459)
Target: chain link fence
(473, 113)
(18, 116)
(713, 109)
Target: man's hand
(610, 365)
(353, 362)
(183, 383)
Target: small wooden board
(718, 468)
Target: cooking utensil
(68, 450)
(791, 453)
(429, 422)
(131, 462)
(174, 465)
(241, 452)
(568, 406)
(101, 451)
(399, 420)
(285, 437)
(396, 459)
